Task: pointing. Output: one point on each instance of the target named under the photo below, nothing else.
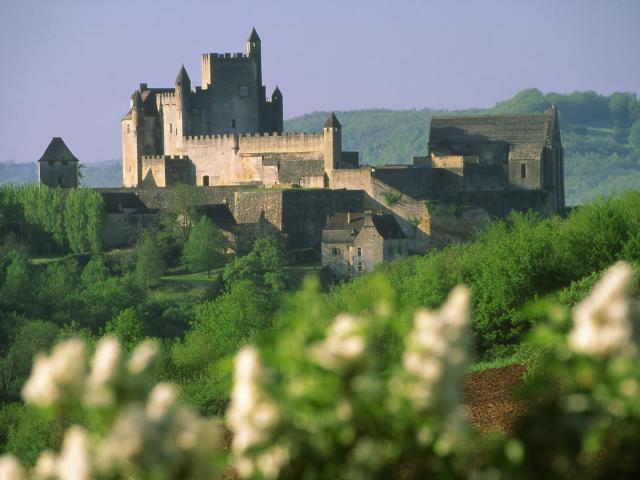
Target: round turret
(183, 81)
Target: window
(359, 250)
(233, 123)
(359, 266)
(128, 128)
(205, 181)
(334, 251)
(523, 171)
(171, 128)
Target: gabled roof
(116, 202)
(218, 213)
(254, 36)
(332, 121)
(533, 129)
(343, 227)
(58, 150)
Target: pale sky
(68, 67)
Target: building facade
(354, 243)
(225, 132)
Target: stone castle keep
(226, 132)
(227, 138)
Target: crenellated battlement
(293, 135)
(164, 157)
(227, 56)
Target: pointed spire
(332, 122)
(254, 38)
(276, 93)
(183, 77)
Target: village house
(354, 243)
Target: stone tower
(58, 167)
(332, 143)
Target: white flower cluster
(602, 322)
(57, 377)
(252, 418)
(435, 355)
(343, 347)
(151, 436)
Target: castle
(227, 137)
(226, 132)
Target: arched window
(523, 171)
(205, 181)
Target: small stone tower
(183, 90)
(332, 143)
(253, 49)
(277, 113)
(58, 167)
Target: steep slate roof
(183, 76)
(58, 150)
(532, 129)
(332, 121)
(343, 227)
(115, 202)
(219, 214)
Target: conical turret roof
(276, 92)
(137, 100)
(183, 76)
(254, 36)
(332, 122)
(57, 150)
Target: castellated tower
(225, 132)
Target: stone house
(354, 243)
(126, 217)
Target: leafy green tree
(83, 219)
(205, 248)
(264, 266)
(149, 263)
(127, 327)
(31, 338)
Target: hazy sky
(68, 67)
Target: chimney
(368, 220)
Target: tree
(205, 249)
(127, 327)
(149, 264)
(181, 212)
(634, 135)
(263, 266)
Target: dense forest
(600, 134)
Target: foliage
(182, 212)
(263, 267)
(206, 247)
(391, 198)
(634, 135)
(124, 426)
(150, 264)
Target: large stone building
(226, 132)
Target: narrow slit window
(523, 171)
(233, 123)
